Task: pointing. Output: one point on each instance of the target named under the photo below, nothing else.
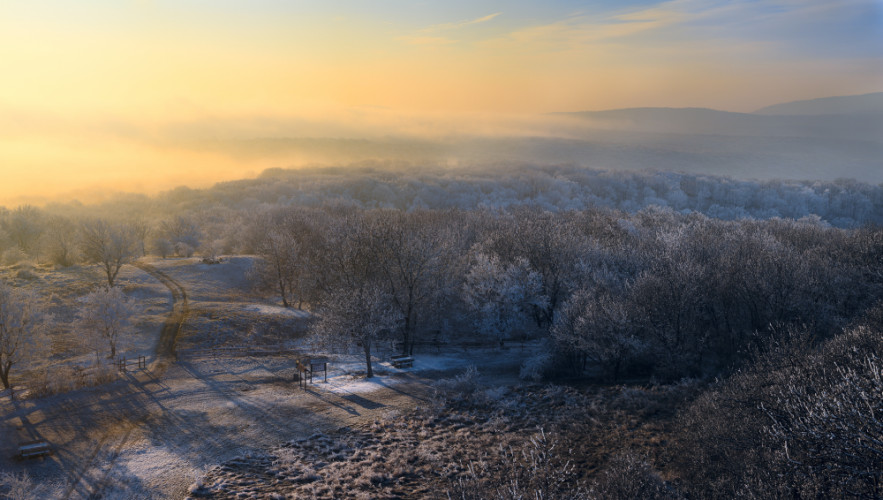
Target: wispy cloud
(460, 24)
(580, 30)
(442, 34)
(717, 23)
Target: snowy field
(63, 291)
(151, 433)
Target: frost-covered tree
(412, 251)
(360, 316)
(24, 225)
(106, 315)
(110, 245)
(61, 241)
(163, 247)
(182, 232)
(500, 296)
(141, 230)
(553, 245)
(596, 325)
(20, 326)
(355, 308)
(286, 244)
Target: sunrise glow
(99, 94)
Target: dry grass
(65, 361)
(472, 442)
(65, 378)
(23, 487)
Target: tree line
(785, 312)
(781, 319)
(656, 293)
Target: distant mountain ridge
(852, 118)
(838, 105)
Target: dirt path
(165, 352)
(165, 348)
(151, 433)
(136, 417)
(148, 437)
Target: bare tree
(281, 239)
(20, 320)
(24, 225)
(595, 325)
(111, 246)
(412, 252)
(141, 231)
(501, 296)
(106, 316)
(362, 316)
(356, 308)
(61, 241)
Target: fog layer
(47, 159)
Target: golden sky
(106, 94)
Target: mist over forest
(688, 334)
(442, 250)
(403, 186)
(820, 140)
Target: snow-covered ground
(151, 433)
(275, 310)
(62, 290)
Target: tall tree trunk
(281, 283)
(408, 347)
(282, 292)
(367, 346)
(4, 374)
(110, 275)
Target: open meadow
(151, 433)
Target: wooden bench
(30, 449)
(402, 361)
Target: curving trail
(165, 348)
(146, 435)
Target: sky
(98, 95)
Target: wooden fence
(124, 365)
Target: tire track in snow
(165, 349)
(168, 338)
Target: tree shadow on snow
(363, 402)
